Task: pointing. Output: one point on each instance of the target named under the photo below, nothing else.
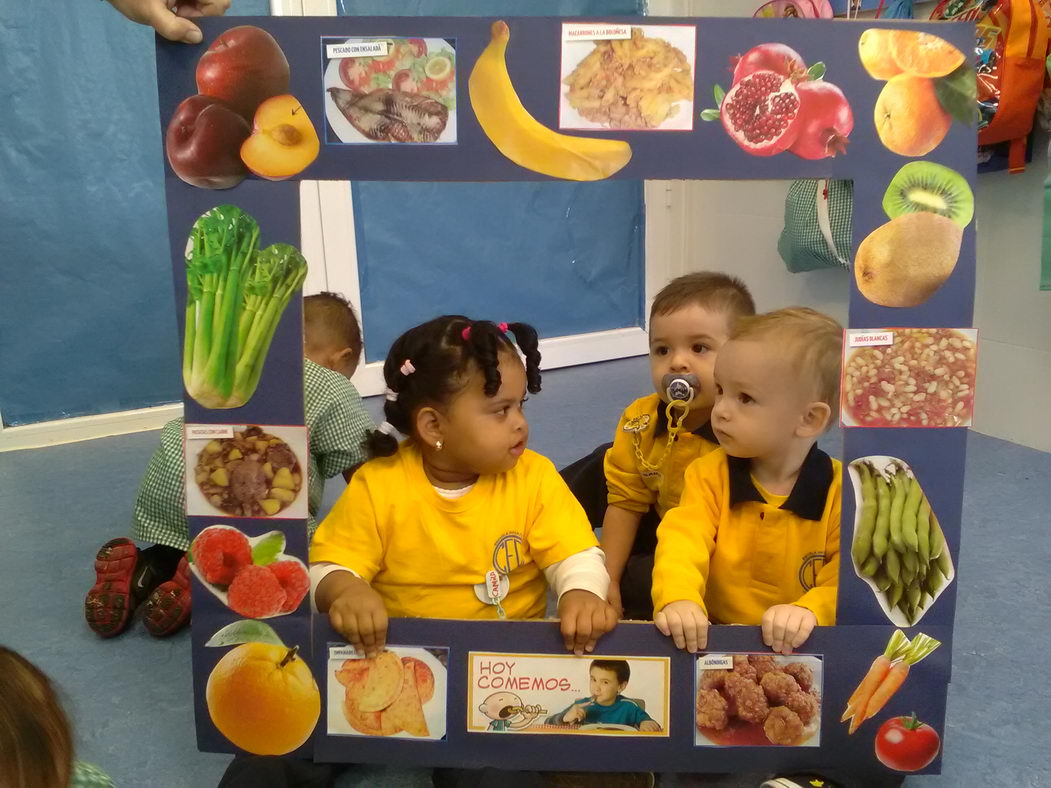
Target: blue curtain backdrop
(87, 321)
(567, 258)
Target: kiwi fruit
(904, 262)
(923, 186)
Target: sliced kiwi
(926, 186)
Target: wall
(1013, 317)
(734, 227)
(87, 322)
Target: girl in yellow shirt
(460, 520)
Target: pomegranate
(769, 57)
(761, 113)
(825, 121)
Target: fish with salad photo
(406, 93)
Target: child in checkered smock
(338, 426)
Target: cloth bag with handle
(818, 214)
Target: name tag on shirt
(494, 588)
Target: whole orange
(263, 698)
(874, 51)
(909, 118)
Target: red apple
(203, 142)
(244, 67)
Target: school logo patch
(507, 555)
(637, 424)
(809, 570)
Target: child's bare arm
(619, 527)
(584, 618)
(354, 609)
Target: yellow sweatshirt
(424, 554)
(632, 487)
(736, 552)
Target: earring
(437, 445)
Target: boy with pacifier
(627, 486)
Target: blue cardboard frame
(704, 153)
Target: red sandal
(167, 609)
(122, 580)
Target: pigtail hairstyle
(430, 363)
(529, 343)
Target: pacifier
(680, 388)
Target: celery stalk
(236, 295)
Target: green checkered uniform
(88, 775)
(337, 425)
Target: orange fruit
(874, 51)
(923, 54)
(263, 698)
(909, 118)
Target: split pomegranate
(826, 121)
(761, 113)
(769, 57)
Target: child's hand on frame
(585, 618)
(685, 622)
(359, 615)
(786, 627)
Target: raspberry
(256, 593)
(220, 553)
(294, 579)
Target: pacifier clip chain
(674, 428)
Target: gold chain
(674, 428)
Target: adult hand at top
(171, 18)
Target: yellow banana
(524, 140)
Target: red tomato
(403, 81)
(354, 74)
(906, 744)
(383, 63)
(419, 46)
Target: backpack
(1011, 49)
(818, 215)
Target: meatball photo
(754, 700)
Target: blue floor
(130, 697)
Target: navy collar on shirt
(704, 431)
(808, 495)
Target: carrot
(881, 665)
(877, 671)
(901, 660)
(891, 683)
